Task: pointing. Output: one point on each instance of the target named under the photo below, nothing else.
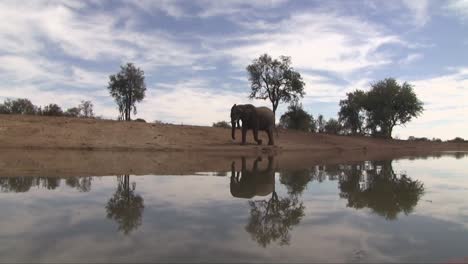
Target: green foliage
(72, 112)
(275, 79)
(222, 124)
(19, 106)
(457, 140)
(273, 219)
(127, 87)
(386, 105)
(125, 207)
(384, 192)
(86, 109)
(350, 114)
(297, 118)
(321, 124)
(296, 180)
(52, 110)
(332, 126)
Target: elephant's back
(266, 112)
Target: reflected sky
(394, 211)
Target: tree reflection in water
(270, 219)
(125, 207)
(24, 184)
(380, 189)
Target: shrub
(222, 124)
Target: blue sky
(194, 54)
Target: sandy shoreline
(58, 146)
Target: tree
(275, 79)
(222, 124)
(72, 112)
(127, 87)
(52, 110)
(332, 126)
(321, 124)
(20, 106)
(384, 192)
(389, 104)
(273, 219)
(297, 118)
(86, 109)
(125, 207)
(350, 114)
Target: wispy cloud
(412, 57)
(458, 7)
(316, 41)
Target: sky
(195, 53)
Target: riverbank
(58, 146)
(61, 133)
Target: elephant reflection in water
(125, 207)
(247, 184)
(270, 219)
(384, 192)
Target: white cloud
(90, 36)
(315, 41)
(419, 11)
(412, 57)
(446, 109)
(459, 7)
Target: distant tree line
(375, 112)
(23, 106)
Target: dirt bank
(48, 146)
(35, 132)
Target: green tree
(332, 126)
(296, 118)
(72, 112)
(296, 180)
(52, 110)
(389, 104)
(222, 124)
(351, 112)
(321, 124)
(273, 219)
(275, 79)
(86, 109)
(125, 207)
(384, 192)
(20, 106)
(127, 87)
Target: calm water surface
(392, 211)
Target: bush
(332, 126)
(222, 124)
(19, 106)
(52, 110)
(297, 118)
(412, 138)
(72, 112)
(140, 120)
(457, 140)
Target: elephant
(255, 182)
(255, 118)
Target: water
(394, 211)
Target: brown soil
(32, 145)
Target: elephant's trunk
(233, 125)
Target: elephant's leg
(244, 134)
(244, 166)
(271, 140)
(255, 132)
